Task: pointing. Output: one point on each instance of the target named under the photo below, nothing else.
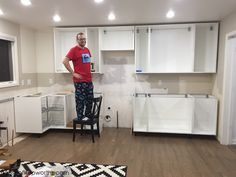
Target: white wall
(10, 28)
(28, 55)
(27, 70)
(44, 52)
(118, 86)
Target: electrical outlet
(159, 82)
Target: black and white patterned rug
(72, 169)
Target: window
(8, 61)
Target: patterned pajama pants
(83, 98)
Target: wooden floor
(145, 156)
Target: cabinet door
(205, 116)
(142, 49)
(140, 119)
(206, 47)
(117, 38)
(64, 40)
(170, 114)
(93, 45)
(28, 114)
(172, 48)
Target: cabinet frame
(194, 122)
(194, 26)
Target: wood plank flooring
(145, 156)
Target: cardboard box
(7, 163)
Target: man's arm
(66, 63)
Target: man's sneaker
(85, 119)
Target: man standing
(80, 56)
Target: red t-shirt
(81, 58)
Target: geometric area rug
(42, 169)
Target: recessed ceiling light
(98, 1)
(26, 2)
(56, 18)
(1, 12)
(111, 16)
(170, 14)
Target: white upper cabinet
(142, 48)
(116, 38)
(178, 48)
(171, 48)
(64, 40)
(206, 47)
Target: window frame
(15, 70)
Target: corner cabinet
(185, 114)
(31, 114)
(38, 113)
(179, 48)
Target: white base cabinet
(185, 114)
(205, 115)
(31, 114)
(37, 113)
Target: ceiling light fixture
(98, 1)
(26, 2)
(170, 14)
(111, 16)
(1, 12)
(56, 18)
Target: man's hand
(77, 76)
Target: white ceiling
(86, 12)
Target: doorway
(229, 91)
